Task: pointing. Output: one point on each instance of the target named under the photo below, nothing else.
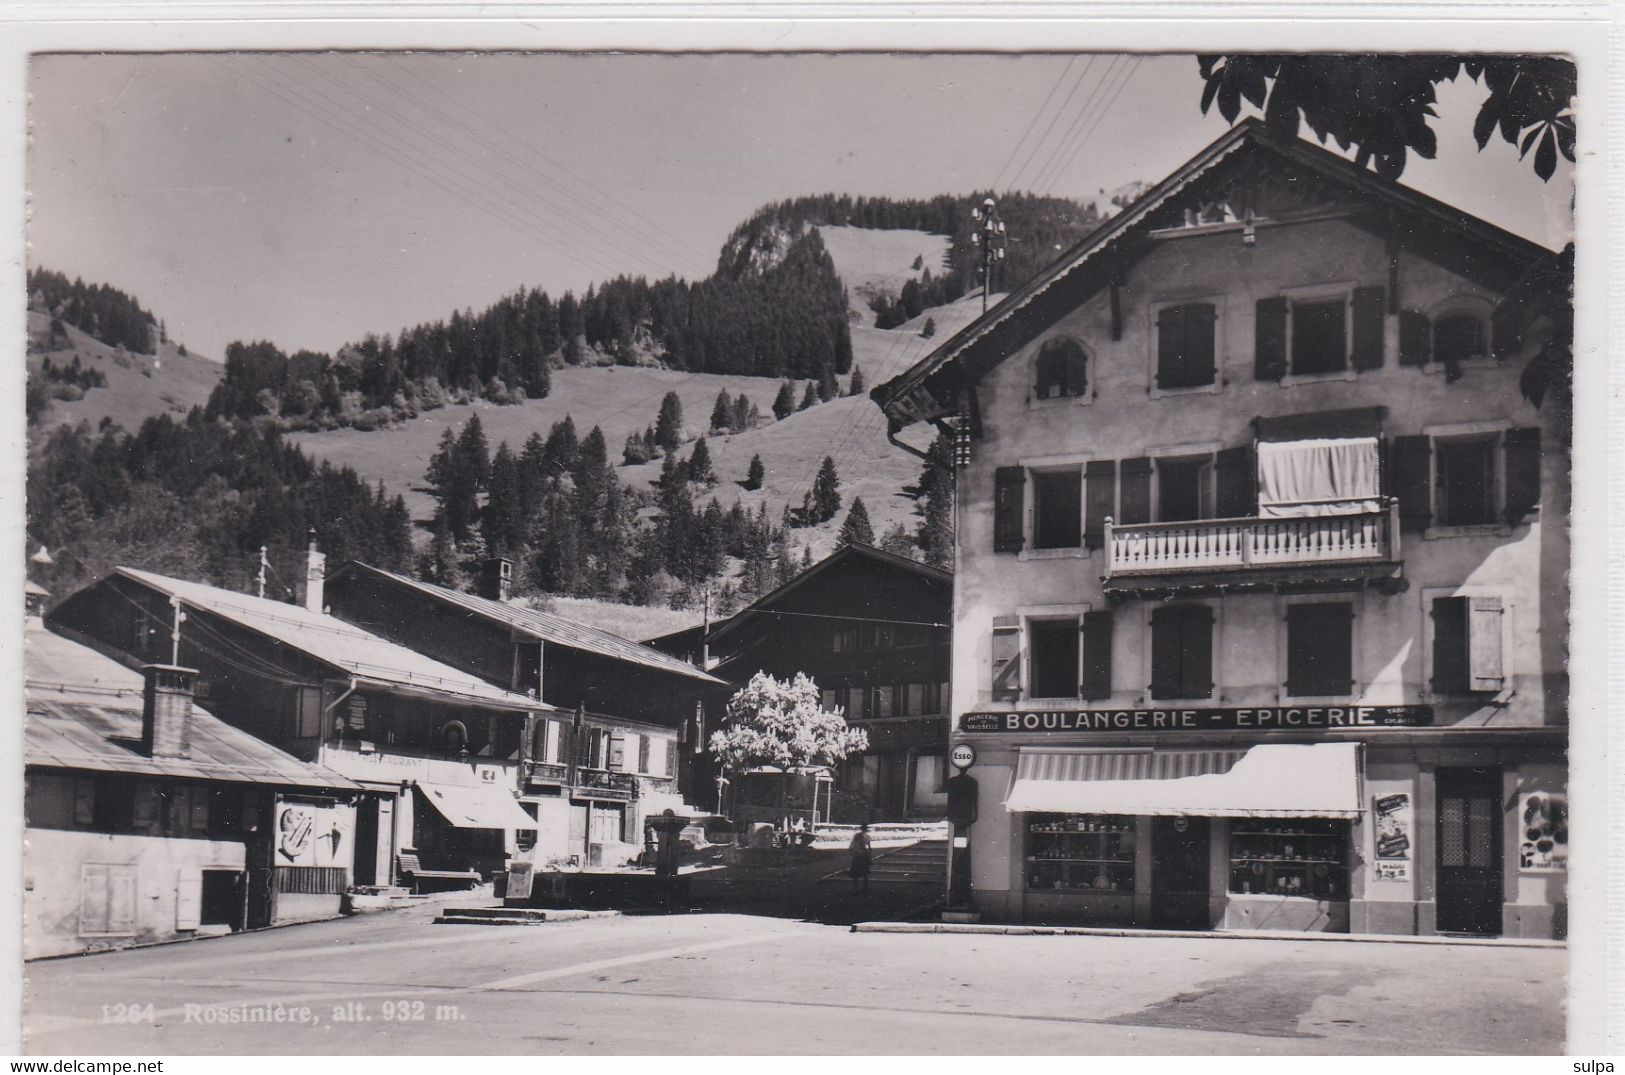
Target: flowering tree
(771, 722)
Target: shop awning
(469, 807)
(1271, 780)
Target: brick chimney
(315, 576)
(496, 576)
(166, 710)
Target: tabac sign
(1203, 719)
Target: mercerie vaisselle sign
(1200, 719)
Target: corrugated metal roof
(547, 627)
(84, 713)
(333, 641)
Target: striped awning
(1271, 780)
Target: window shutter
(1236, 479)
(121, 908)
(1370, 311)
(1413, 457)
(617, 752)
(1097, 656)
(1522, 473)
(1320, 649)
(1135, 500)
(1099, 497)
(1269, 335)
(671, 758)
(1196, 638)
(1165, 653)
(1415, 338)
(643, 753)
(1200, 324)
(1009, 493)
(1006, 681)
(189, 898)
(555, 741)
(1484, 672)
(93, 897)
(1506, 330)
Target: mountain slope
(137, 387)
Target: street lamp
(990, 237)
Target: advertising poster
(1393, 836)
(1543, 843)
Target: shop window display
(1300, 857)
(1080, 853)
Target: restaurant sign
(1202, 719)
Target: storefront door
(578, 832)
(366, 841)
(1179, 872)
(1469, 841)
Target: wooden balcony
(1253, 553)
(546, 772)
(603, 784)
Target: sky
(309, 199)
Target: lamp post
(990, 237)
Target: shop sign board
(1543, 838)
(1200, 719)
(1393, 836)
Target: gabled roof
(330, 640)
(769, 601)
(1088, 266)
(543, 626)
(84, 713)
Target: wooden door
(1470, 886)
(1179, 872)
(365, 870)
(578, 831)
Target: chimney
(496, 576)
(315, 576)
(166, 710)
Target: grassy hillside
(871, 261)
(622, 399)
(137, 387)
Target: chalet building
(439, 753)
(606, 754)
(871, 629)
(149, 819)
(1261, 564)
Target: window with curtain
(1327, 476)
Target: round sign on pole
(963, 756)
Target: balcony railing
(606, 785)
(1240, 544)
(546, 772)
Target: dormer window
(1062, 370)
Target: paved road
(741, 985)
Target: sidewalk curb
(1213, 934)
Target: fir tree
(935, 536)
(857, 528)
(633, 453)
(669, 423)
(755, 473)
(828, 387)
(560, 452)
(897, 542)
(826, 493)
(699, 464)
(743, 415)
(857, 385)
(810, 396)
(929, 329)
(503, 522)
(475, 453)
(806, 558)
(722, 413)
(784, 403)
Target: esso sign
(963, 756)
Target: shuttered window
(1054, 648)
(107, 899)
(1185, 345)
(1009, 494)
(1182, 651)
(1319, 341)
(1467, 654)
(1320, 649)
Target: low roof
(84, 713)
(845, 553)
(332, 641)
(544, 626)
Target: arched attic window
(1062, 370)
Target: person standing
(861, 853)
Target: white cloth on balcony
(1318, 477)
